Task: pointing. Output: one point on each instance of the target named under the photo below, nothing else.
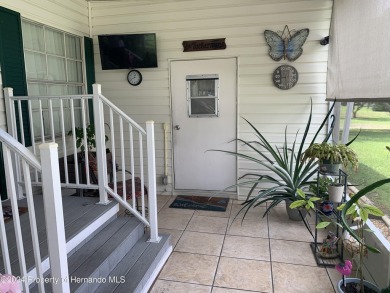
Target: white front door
(203, 118)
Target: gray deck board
(78, 212)
(92, 246)
(71, 207)
(124, 266)
(140, 272)
(103, 260)
(118, 252)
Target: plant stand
(322, 255)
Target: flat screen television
(128, 51)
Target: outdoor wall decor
(286, 45)
(204, 45)
(285, 77)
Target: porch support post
(101, 160)
(152, 199)
(12, 129)
(347, 122)
(336, 129)
(54, 216)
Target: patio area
(213, 253)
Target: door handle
(177, 127)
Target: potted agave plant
(356, 213)
(286, 175)
(331, 156)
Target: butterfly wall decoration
(286, 46)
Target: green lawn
(374, 158)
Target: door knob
(177, 127)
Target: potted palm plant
(356, 213)
(331, 156)
(283, 167)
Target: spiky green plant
(289, 172)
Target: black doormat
(204, 203)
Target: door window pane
(202, 95)
(201, 88)
(203, 106)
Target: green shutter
(90, 70)
(3, 186)
(13, 72)
(12, 63)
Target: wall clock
(285, 77)
(134, 77)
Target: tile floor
(213, 253)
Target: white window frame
(47, 82)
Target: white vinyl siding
(242, 23)
(70, 15)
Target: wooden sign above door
(204, 45)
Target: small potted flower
(320, 188)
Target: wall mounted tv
(128, 51)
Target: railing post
(54, 216)
(152, 198)
(10, 110)
(12, 129)
(101, 160)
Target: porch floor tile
(190, 268)
(201, 243)
(208, 224)
(214, 254)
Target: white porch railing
(54, 119)
(13, 152)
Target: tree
(381, 107)
(356, 107)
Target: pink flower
(9, 284)
(344, 268)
